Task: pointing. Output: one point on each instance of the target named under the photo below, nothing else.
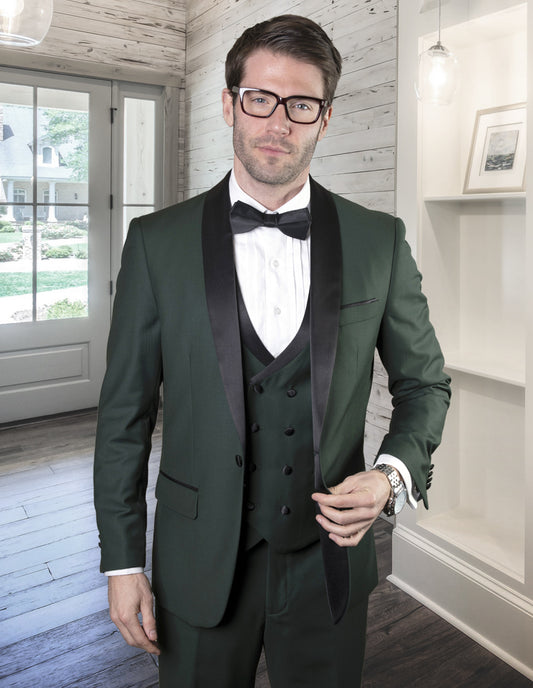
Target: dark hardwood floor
(54, 628)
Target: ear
(227, 106)
(324, 123)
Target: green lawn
(10, 237)
(18, 283)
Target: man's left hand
(352, 506)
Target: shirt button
(275, 263)
(287, 470)
(277, 310)
(289, 431)
(291, 393)
(254, 427)
(285, 510)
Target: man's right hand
(129, 596)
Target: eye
(259, 98)
(303, 105)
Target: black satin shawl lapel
(221, 294)
(326, 286)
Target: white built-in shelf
(508, 372)
(517, 196)
(499, 547)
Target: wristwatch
(398, 494)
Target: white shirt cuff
(413, 494)
(125, 572)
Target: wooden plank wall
(357, 157)
(131, 40)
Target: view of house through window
(44, 164)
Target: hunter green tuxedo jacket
(175, 321)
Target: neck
(271, 196)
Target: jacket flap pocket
(360, 310)
(177, 496)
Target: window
(47, 155)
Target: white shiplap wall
(357, 157)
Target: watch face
(400, 501)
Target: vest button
(289, 431)
(239, 461)
(285, 510)
(258, 389)
(252, 467)
(287, 470)
(291, 393)
(250, 506)
(254, 427)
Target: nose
(278, 121)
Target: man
(265, 344)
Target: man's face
(274, 150)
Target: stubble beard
(272, 174)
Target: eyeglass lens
(263, 104)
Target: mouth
(272, 149)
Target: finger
(133, 633)
(342, 530)
(350, 541)
(360, 515)
(148, 619)
(357, 498)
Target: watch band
(398, 493)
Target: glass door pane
(139, 158)
(62, 155)
(16, 203)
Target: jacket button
(291, 393)
(254, 427)
(285, 510)
(239, 461)
(289, 431)
(287, 470)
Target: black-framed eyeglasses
(259, 103)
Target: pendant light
(438, 73)
(24, 22)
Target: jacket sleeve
(127, 412)
(412, 357)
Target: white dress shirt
(274, 275)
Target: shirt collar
(301, 200)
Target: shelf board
(513, 196)
(500, 548)
(488, 369)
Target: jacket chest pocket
(359, 311)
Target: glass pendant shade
(24, 22)
(438, 75)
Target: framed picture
(498, 153)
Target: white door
(55, 162)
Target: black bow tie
(294, 223)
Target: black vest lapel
(326, 285)
(221, 294)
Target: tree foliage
(68, 131)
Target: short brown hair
(291, 35)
